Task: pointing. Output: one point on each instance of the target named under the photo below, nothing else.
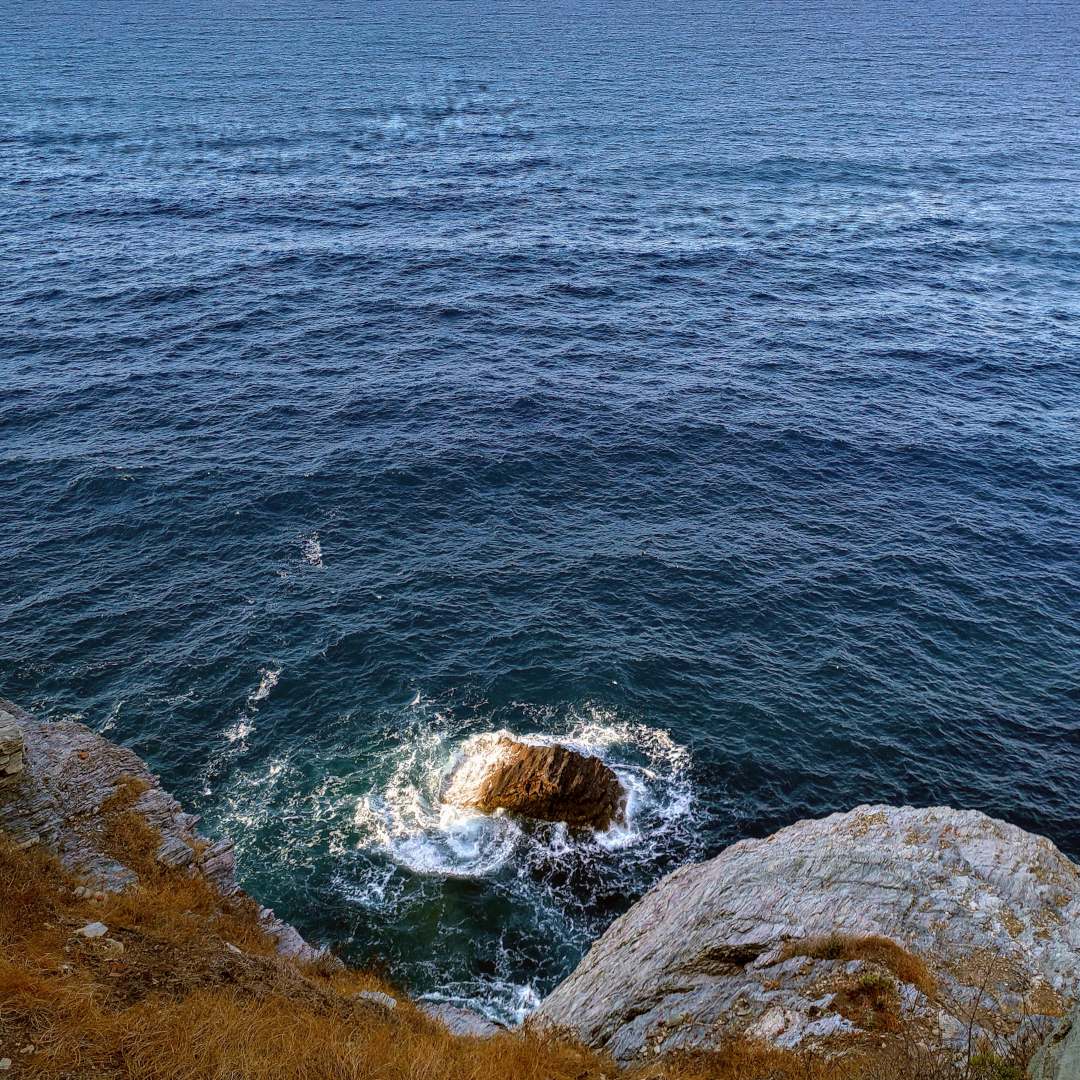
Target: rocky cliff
(61, 781)
(879, 930)
(941, 924)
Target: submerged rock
(926, 919)
(550, 783)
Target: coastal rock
(461, 1021)
(12, 760)
(70, 779)
(1059, 1056)
(547, 782)
(954, 917)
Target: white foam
(311, 550)
(500, 1000)
(411, 822)
(110, 721)
(239, 730)
(268, 679)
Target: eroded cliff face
(947, 924)
(60, 782)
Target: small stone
(233, 949)
(93, 930)
(376, 997)
(5, 1064)
(112, 948)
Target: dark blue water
(700, 382)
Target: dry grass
(226, 1034)
(177, 1003)
(124, 834)
(872, 948)
(744, 1060)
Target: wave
(268, 680)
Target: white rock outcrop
(725, 947)
(11, 750)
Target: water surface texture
(696, 382)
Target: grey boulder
(727, 947)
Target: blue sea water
(699, 382)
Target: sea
(695, 382)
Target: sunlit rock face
(781, 939)
(550, 783)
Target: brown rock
(551, 783)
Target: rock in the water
(551, 783)
(1059, 1057)
(781, 938)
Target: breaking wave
(569, 882)
(410, 820)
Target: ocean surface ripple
(701, 384)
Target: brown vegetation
(743, 1060)
(187, 986)
(872, 948)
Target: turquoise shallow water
(697, 383)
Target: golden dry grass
(873, 948)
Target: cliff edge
(64, 787)
(881, 944)
(945, 926)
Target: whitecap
(268, 679)
(239, 730)
(311, 550)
